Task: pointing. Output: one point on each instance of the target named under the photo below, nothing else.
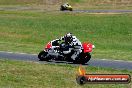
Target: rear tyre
(42, 56)
(62, 8)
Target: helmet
(69, 34)
(68, 38)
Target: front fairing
(87, 47)
(69, 7)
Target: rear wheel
(42, 56)
(62, 8)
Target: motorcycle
(66, 7)
(57, 51)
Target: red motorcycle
(55, 50)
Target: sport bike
(56, 50)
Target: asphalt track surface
(24, 8)
(102, 11)
(115, 64)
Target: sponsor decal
(83, 78)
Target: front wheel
(86, 58)
(70, 9)
(42, 56)
(82, 59)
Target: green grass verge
(20, 74)
(29, 31)
(77, 4)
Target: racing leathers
(76, 46)
(65, 5)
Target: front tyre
(70, 9)
(83, 59)
(43, 56)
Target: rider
(65, 5)
(71, 40)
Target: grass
(77, 4)
(20, 74)
(29, 31)
(104, 4)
